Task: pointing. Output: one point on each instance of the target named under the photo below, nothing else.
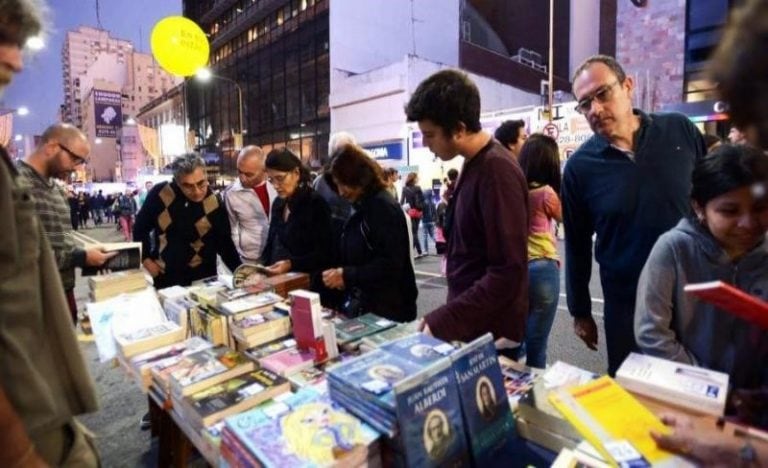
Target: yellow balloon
(179, 45)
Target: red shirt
(261, 192)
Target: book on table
(400, 330)
(692, 388)
(102, 287)
(128, 257)
(250, 303)
(732, 300)
(354, 329)
(208, 367)
(303, 429)
(484, 403)
(142, 363)
(615, 423)
(259, 328)
(288, 361)
(429, 416)
(230, 397)
(272, 347)
(138, 341)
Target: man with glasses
(627, 184)
(44, 382)
(62, 149)
(182, 226)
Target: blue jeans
(543, 295)
(427, 231)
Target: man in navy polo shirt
(628, 184)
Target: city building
(163, 129)
(106, 82)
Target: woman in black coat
(375, 271)
(300, 230)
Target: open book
(732, 300)
(128, 258)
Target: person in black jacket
(300, 227)
(182, 226)
(412, 200)
(375, 272)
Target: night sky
(39, 86)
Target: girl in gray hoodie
(724, 239)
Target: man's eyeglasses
(75, 157)
(602, 95)
(201, 185)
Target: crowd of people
(658, 205)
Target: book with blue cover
(305, 429)
(419, 348)
(429, 413)
(372, 376)
(487, 416)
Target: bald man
(62, 149)
(249, 201)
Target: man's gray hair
(340, 139)
(250, 151)
(606, 60)
(187, 164)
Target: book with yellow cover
(615, 423)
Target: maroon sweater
(487, 252)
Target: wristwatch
(747, 455)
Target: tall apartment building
(82, 48)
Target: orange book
(732, 300)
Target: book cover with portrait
(429, 415)
(419, 348)
(484, 404)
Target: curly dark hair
(448, 98)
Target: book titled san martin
(487, 417)
(429, 414)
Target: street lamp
(35, 43)
(204, 75)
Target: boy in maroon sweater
(486, 226)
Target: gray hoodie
(674, 325)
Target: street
(116, 425)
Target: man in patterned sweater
(62, 148)
(182, 226)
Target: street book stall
(250, 371)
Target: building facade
(277, 52)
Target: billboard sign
(107, 112)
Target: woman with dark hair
(300, 229)
(540, 161)
(375, 273)
(412, 200)
(722, 239)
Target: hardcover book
(232, 396)
(419, 348)
(128, 258)
(429, 415)
(138, 341)
(306, 318)
(615, 423)
(305, 429)
(732, 300)
(486, 411)
(359, 327)
(693, 388)
(207, 367)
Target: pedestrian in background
(428, 219)
(412, 200)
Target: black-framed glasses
(76, 157)
(602, 95)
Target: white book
(694, 388)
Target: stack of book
(254, 329)
(142, 364)
(241, 301)
(131, 343)
(377, 339)
(350, 332)
(288, 361)
(303, 429)
(210, 324)
(203, 369)
(232, 396)
(365, 385)
(107, 286)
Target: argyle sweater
(184, 237)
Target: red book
(732, 300)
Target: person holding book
(183, 226)
(540, 160)
(44, 381)
(724, 238)
(374, 271)
(487, 220)
(300, 228)
(63, 148)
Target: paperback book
(258, 352)
(166, 355)
(359, 327)
(207, 367)
(128, 257)
(138, 341)
(288, 361)
(400, 330)
(484, 405)
(250, 304)
(419, 348)
(732, 300)
(430, 419)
